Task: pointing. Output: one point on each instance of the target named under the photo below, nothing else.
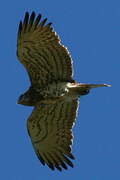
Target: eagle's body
(53, 91)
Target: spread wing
(50, 129)
(40, 51)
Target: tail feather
(87, 86)
(83, 89)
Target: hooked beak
(19, 101)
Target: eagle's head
(27, 98)
(24, 99)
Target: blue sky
(91, 31)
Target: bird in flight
(53, 91)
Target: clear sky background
(91, 31)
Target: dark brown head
(24, 99)
(27, 98)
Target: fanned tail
(90, 86)
(83, 89)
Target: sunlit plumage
(53, 92)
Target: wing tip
(26, 13)
(20, 27)
(33, 13)
(59, 166)
(30, 20)
(26, 16)
(68, 161)
(40, 158)
(71, 156)
(51, 166)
